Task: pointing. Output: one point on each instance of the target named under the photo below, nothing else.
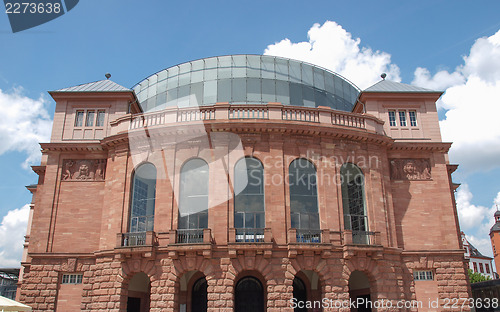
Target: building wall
(79, 219)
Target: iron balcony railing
(363, 238)
(249, 235)
(189, 236)
(134, 239)
(308, 236)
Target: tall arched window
(353, 201)
(249, 213)
(142, 210)
(193, 204)
(304, 200)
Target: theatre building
(243, 183)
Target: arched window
(304, 200)
(193, 204)
(249, 213)
(353, 201)
(142, 210)
(249, 295)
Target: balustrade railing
(299, 114)
(250, 235)
(348, 120)
(134, 239)
(248, 113)
(363, 238)
(308, 236)
(272, 112)
(189, 236)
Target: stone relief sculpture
(410, 169)
(83, 170)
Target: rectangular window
(89, 122)
(475, 266)
(79, 119)
(413, 118)
(487, 268)
(72, 278)
(481, 267)
(423, 276)
(402, 118)
(100, 119)
(392, 118)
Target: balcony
(324, 116)
(191, 236)
(249, 235)
(136, 239)
(308, 236)
(361, 238)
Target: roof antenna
(108, 75)
(383, 76)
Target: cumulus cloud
(332, 47)
(475, 220)
(24, 123)
(12, 231)
(472, 105)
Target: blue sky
(133, 39)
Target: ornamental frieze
(410, 169)
(83, 170)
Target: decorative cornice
(420, 146)
(71, 147)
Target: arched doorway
(138, 293)
(249, 295)
(199, 296)
(359, 288)
(300, 294)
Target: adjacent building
(243, 183)
(478, 262)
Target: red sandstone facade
(81, 207)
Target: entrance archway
(249, 295)
(300, 294)
(199, 296)
(359, 287)
(138, 293)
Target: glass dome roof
(245, 79)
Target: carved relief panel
(83, 170)
(411, 169)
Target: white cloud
(473, 105)
(476, 221)
(12, 231)
(332, 47)
(440, 81)
(24, 123)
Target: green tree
(475, 277)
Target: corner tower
(495, 240)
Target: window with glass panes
(413, 118)
(72, 278)
(249, 194)
(402, 118)
(193, 204)
(392, 118)
(423, 275)
(143, 199)
(303, 195)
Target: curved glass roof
(245, 79)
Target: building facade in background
(243, 183)
(478, 262)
